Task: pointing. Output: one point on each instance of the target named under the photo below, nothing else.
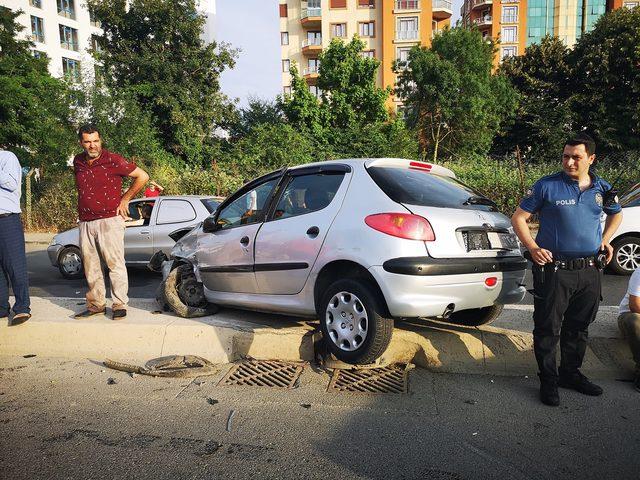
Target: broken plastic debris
(211, 401)
(231, 414)
(29, 355)
(170, 366)
(305, 405)
(111, 381)
(132, 374)
(475, 433)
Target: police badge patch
(599, 199)
(528, 193)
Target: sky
(253, 27)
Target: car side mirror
(210, 225)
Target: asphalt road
(63, 419)
(46, 281)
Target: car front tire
(474, 317)
(185, 295)
(354, 322)
(70, 263)
(626, 256)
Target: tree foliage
(152, 50)
(544, 118)
(606, 80)
(450, 95)
(34, 107)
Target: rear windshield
(210, 204)
(632, 197)
(415, 187)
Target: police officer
(566, 263)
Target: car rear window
(632, 197)
(415, 187)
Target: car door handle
(313, 232)
(244, 241)
(145, 232)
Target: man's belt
(575, 263)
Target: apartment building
(64, 30)
(389, 29)
(516, 24)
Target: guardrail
(311, 42)
(311, 12)
(441, 4)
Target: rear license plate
(507, 241)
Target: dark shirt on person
(100, 184)
(569, 218)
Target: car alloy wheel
(347, 321)
(628, 256)
(70, 263)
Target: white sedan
(626, 242)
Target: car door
(289, 242)
(138, 234)
(225, 258)
(171, 214)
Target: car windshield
(415, 187)
(210, 204)
(632, 197)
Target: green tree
(153, 50)
(34, 107)
(451, 97)
(544, 118)
(606, 80)
(257, 112)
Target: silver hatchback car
(357, 243)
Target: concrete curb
(233, 334)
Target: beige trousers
(629, 325)
(104, 238)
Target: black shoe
(89, 313)
(549, 392)
(19, 318)
(636, 382)
(118, 314)
(578, 382)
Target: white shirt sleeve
(634, 284)
(252, 200)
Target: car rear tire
(474, 317)
(185, 295)
(626, 256)
(354, 323)
(70, 263)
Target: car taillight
(402, 225)
(491, 282)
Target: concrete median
(234, 334)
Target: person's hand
(606, 247)
(123, 209)
(541, 256)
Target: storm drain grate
(391, 379)
(262, 373)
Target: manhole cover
(391, 379)
(258, 373)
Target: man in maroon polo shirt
(102, 209)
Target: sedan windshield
(415, 187)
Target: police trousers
(565, 304)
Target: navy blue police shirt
(569, 219)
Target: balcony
(441, 9)
(407, 5)
(485, 21)
(408, 35)
(311, 46)
(311, 17)
(310, 74)
(481, 3)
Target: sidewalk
(233, 334)
(37, 237)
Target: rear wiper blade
(478, 200)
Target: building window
(37, 29)
(631, 5)
(92, 19)
(36, 3)
(313, 66)
(509, 35)
(71, 68)
(338, 4)
(96, 43)
(286, 65)
(68, 38)
(407, 28)
(510, 14)
(66, 9)
(403, 54)
(315, 91)
(367, 29)
(313, 38)
(368, 53)
(367, 3)
(407, 5)
(283, 10)
(506, 52)
(284, 38)
(286, 90)
(339, 30)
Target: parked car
(626, 242)
(357, 244)
(152, 221)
